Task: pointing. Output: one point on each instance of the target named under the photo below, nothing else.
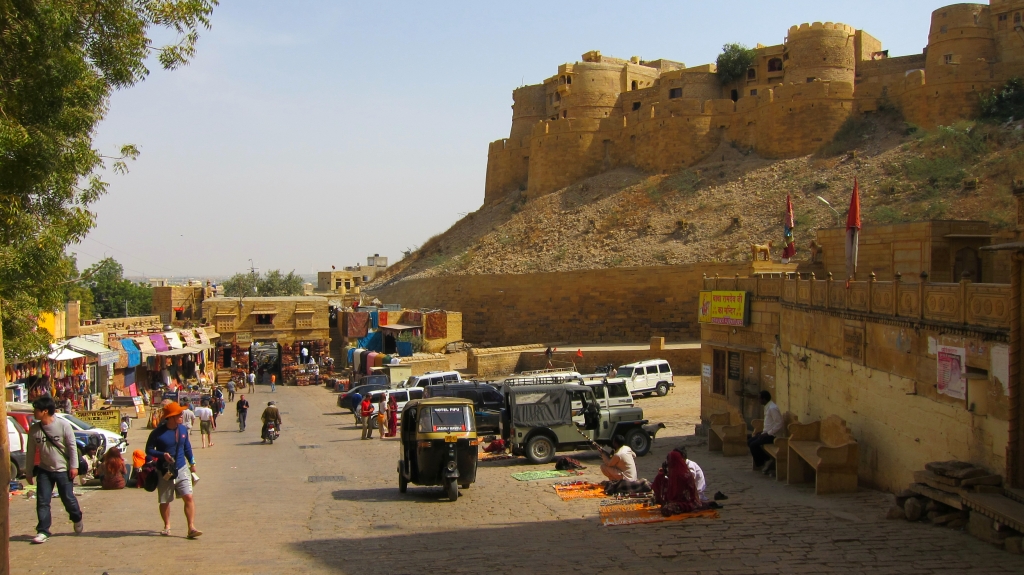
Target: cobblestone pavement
(262, 515)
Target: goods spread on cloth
(357, 324)
(496, 456)
(437, 325)
(551, 474)
(634, 513)
(579, 490)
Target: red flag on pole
(787, 232)
(852, 233)
(579, 353)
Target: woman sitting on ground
(675, 487)
(113, 469)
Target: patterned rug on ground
(496, 456)
(531, 475)
(635, 513)
(579, 490)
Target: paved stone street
(262, 515)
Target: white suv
(646, 377)
(433, 378)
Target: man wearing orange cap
(169, 444)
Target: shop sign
(108, 419)
(724, 308)
(243, 337)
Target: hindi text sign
(724, 308)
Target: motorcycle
(271, 433)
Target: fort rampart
(660, 115)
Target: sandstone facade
(604, 112)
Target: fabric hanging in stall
(437, 325)
(129, 376)
(373, 341)
(134, 355)
(159, 341)
(411, 318)
(363, 355)
(382, 318)
(374, 323)
(370, 359)
(357, 324)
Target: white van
(646, 377)
(402, 396)
(433, 378)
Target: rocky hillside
(715, 210)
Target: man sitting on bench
(773, 425)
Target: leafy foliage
(61, 61)
(733, 62)
(112, 294)
(254, 285)
(1006, 103)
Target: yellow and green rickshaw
(439, 444)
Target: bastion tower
(820, 52)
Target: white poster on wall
(952, 371)
(999, 360)
(706, 373)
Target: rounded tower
(527, 109)
(960, 34)
(819, 51)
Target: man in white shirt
(188, 416)
(773, 426)
(205, 415)
(621, 464)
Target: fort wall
(605, 112)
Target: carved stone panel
(909, 306)
(882, 300)
(819, 294)
(769, 287)
(941, 303)
(858, 296)
(988, 305)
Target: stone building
(660, 115)
(179, 304)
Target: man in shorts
(169, 444)
(205, 416)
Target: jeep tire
(662, 389)
(638, 440)
(540, 449)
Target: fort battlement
(604, 112)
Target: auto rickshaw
(439, 444)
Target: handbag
(83, 467)
(148, 477)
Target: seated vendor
(677, 488)
(621, 464)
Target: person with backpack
(169, 444)
(53, 439)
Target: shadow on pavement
(94, 534)
(415, 494)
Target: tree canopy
(273, 284)
(733, 62)
(112, 294)
(61, 60)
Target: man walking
(188, 417)
(273, 383)
(169, 444)
(366, 411)
(252, 382)
(242, 409)
(205, 415)
(231, 390)
(54, 439)
(356, 399)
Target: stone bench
(825, 450)
(727, 432)
(779, 450)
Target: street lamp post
(839, 217)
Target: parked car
(17, 439)
(542, 421)
(110, 439)
(433, 378)
(543, 377)
(345, 399)
(402, 396)
(488, 402)
(610, 393)
(646, 377)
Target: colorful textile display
(411, 318)
(551, 474)
(570, 490)
(374, 321)
(437, 325)
(382, 318)
(159, 341)
(357, 324)
(635, 513)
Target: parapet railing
(966, 303)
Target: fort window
(633, 87)
(565, 113)
(1016, 19)
(558, 97)
(752, 74)
(948, 58)
(811, 80)
(636, 106)
(735, 95)
(1002, 21)
(775, 65)
(264, 319)
(675, 93)
(753, 92)
(944, 29)
(568, 79)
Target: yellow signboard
(108, 419)
(724, 308)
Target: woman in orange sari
(392, 412)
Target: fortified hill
(660, 115)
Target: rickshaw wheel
(453, 490)
(464, 485)
(403, 485)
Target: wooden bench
(826, 450)
(727, 432)
(779, 450)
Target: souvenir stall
(100, 365)
(302, 362)
(62, 374)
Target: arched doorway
(967, 260)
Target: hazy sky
(316, 132)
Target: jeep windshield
(624, 371)
(446, 419)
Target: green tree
(112, 294)
(60, 61)
(273, 284)
(1006, 103)
(733, 62)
